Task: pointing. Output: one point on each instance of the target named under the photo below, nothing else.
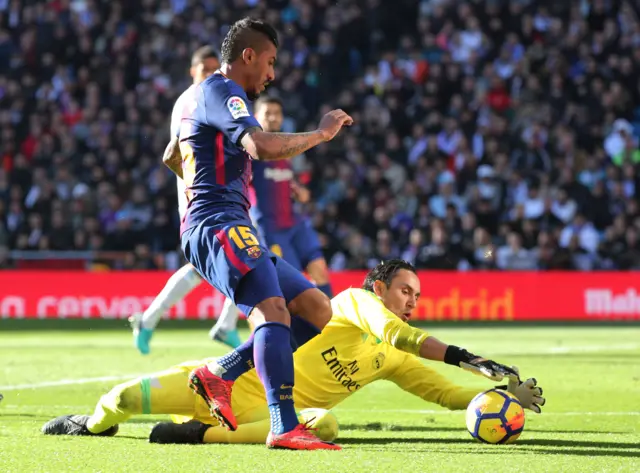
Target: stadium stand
(490, 134)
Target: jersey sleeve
(364, 310)
(413, 376)
(227, 110)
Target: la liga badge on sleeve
(237, 107)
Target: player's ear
(248, 55)
(378, 288)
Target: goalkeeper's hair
(385, 271)
(246, 33)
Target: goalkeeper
(366, 340)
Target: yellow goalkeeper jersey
(364, 342)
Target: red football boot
(216, 392)
(299, 438)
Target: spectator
(620, 140)
(563, 207)
(584, 231)
(514, 256)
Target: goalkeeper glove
(529, 395)
(477, 365)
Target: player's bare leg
(225, 329)
(313, 306)
(319, 273)
(178, 286)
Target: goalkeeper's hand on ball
(477, 365)
(527, 392)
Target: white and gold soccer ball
(324, 423)
(495, 416)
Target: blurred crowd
(488, 133)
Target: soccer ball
(323, 421)
(495, 416)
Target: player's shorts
(298, 245)
(228, 255)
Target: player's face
(204, 69)
(262, 67)
(270, 117)
(402, 295)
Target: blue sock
(302, 331)
(238, 361)
(326, 288)
(274, 364)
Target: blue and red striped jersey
(216, 169)
(274, 207)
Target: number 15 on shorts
(242, 237)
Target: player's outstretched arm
(414, 377)
(172, 157)
(434, 349)
(273, 146)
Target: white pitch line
(68, 382)
(563, 350)
(546, 350)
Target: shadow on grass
(594, 452)
(405, 440)
(551, 431)
(148, 420)
(378, 426)
(580, 443)
(19, 415)
(578, 448)
(382, 427)
(133, 437)
(591, 448)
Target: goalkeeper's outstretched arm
(434, 349)
(366, 311)
(413, 376)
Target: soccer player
(218, 140)
(204, 62)
(287, 233)
(367, 340)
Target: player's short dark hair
(264, 100)
(246, 33)
(385, 271)
(201, 54)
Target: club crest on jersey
(237, 107)
(378, 361)
(254, 252)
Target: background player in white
(204, 62)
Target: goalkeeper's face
(401, 296)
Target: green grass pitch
(590, 376)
